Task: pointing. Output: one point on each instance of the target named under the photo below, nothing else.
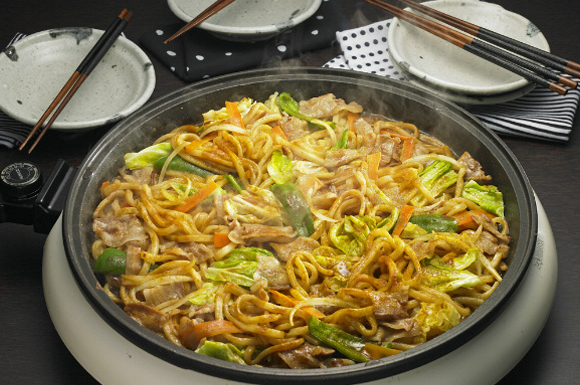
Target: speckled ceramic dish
(434, 63)
(34, 70)
(248, 20)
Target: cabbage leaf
(223, 351)
(487, 197)
(148, 156)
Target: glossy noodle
(299, 234)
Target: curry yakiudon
(299, 234)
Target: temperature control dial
(20, 180)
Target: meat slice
(249, 233)
(117, 230)
(187, 251)
(388, 307)
(365, 133)
(146, 316)
(340, 157)
(327, 105)
(294, 128)
(474, 169)
(270, 269)
(285, 250)
(133, 262)
(305, 356)
(488, 225)
(163, 293)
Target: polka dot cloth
(541, 114)
(365, 49)
(198, 55)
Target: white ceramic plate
(34, 70)
(445, 67)
(247, 20)
(466, 99)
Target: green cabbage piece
(487, 197)
(253, 205)
(238, 267)
(436, 318)
(248, 253)
(436, 177)
(226, 352)
(238, 271)
(447, 278)
(205, 295)
(148, 156)
(306, 167)
(350, 234)
(459, 263)
(280, 168)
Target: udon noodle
(299, 234)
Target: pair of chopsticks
(78, 77)
(206, 13)
(476, 41)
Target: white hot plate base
(113, 360)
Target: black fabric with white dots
(193, 56)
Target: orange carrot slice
(197, 197)
(404, 217)
(373, 161)
(191, 336)
(284, 300)
(221, 240)
(234, 114)
(408, 146)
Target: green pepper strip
(349, 345)
(234, 182)
(180, 164)
(111, 261)
(296, 207)
(342, 142)
(435, 223)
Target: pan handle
(25, 199)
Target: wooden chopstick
(206, 13)
(511, 62)
(83, 70)
(546, 58)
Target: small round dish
(247, 20)
(463, 98)
(442, 66)
(34, 70)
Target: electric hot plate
(111, 359)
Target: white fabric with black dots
(541, 114)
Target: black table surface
(31, 351)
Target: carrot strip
(351, 118)
(221, 239)
(191, 147)
(373, 161)
(408, 146)
(191, 336)
(465, 220)
(284, 300)
(277, 131)
(234, 114)
(197, 197)
(404, 217)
